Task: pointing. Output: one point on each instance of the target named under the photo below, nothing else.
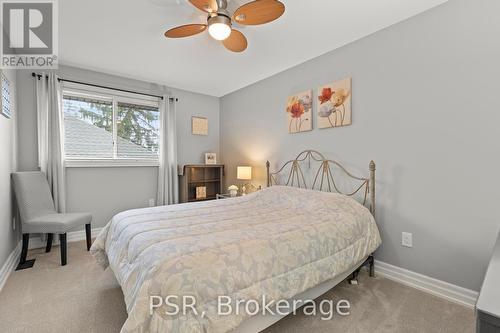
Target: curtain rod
(99, 86)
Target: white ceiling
(125, 37)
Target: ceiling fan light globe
(219, 31)
(219, 27)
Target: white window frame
(115, 97)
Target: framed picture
(199, 126)
(299, 112)
(210, 158)
(5, 107)
(334, 105)
(201, 192)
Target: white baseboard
(74, 236)
(13, 259)
(9, 265)
(427, 284)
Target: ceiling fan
(219, 21)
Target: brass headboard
(323, 176)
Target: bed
(286, 241)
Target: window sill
(110, 163)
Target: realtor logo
(29, 37)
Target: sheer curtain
(168, 183)
(50, 136)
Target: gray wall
(8, 164)
(426, 109)
(106, 191)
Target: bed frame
(324, 180)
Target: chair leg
(63, 246)
(49, 242)
(23, 263)
(24, 251)
(88, 235)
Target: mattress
(277, 242)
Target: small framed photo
(199, 126)
(201, 192)
(210, 158)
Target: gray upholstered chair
(38, 214)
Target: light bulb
(219, 31)
(219, 27)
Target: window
(138, 131)
(88, 127)
(110, 128)
(5, 102)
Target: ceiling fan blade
(236, 42)
(209, 6)
(185, 30)
(259, 12)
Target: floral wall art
(299, 112)
(334, 104)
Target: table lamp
(244, 173)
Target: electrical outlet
(407, 239)
(151, 202)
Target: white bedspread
(279, 242)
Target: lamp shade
(244, 173)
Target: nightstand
(225, 196)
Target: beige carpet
(80, 297)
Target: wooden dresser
(488, 303)
(211, 177)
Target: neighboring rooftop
(86, 140)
